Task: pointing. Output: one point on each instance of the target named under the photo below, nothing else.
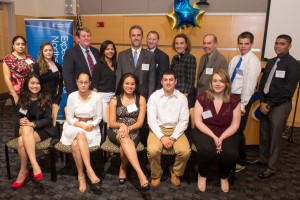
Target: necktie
(235, 69)
(269, 80)
(204, 66)
(90, 61)
(135, 58)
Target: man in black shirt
(276, 90)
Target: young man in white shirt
(244, 70)
(168, 117)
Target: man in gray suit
(210, 61)
(138, 61)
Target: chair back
(55, 109)
(192, 117)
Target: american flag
(78, 18)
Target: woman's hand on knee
(88, 127)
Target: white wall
(41, 8)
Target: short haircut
(187, 41)
(136, 27)
(214, 36)
(83, 72)
(86, 29)
(168, 72)
(286, 37)
(246, 34)
(153, 32)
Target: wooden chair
(67, 149)
(43, 145)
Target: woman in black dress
(35, 121)
(104, 74)
(50, 71)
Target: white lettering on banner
(54, 44)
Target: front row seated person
(126, 116)
(168, 118)
(217, 118)
(35, 125)
(81, 129)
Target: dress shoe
(38, 177)
(122, 181)
(155, 182)
(239, 168)
(17, 185)
(266, 174)
(256, 162)
(145, 187)
(175, 180)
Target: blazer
(145, 69)
(75, 62)
(217, 61)
(162, 62)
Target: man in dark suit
(138, 61)
(210, 61)
(161, 58)
(80, 58)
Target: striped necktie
(235, 69)
(90, 61)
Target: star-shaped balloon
(184, 15)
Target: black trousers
(207, 153)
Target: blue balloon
(186, 14)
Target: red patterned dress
(19, 69)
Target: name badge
(280, 74)
(240, 72)
(207, 114)
(145, 67)
(131, 108)
(54, 69)
(23, 111)
(29, 61)
(209, 71)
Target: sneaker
(175, 180)
(239, 168)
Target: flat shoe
(202, 188)
(225, 187)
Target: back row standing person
(184, 65)
(50, 71)
(104, 75)
(162, 60)
(80, 58)
(209, 62)
(244, 70)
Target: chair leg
(7, 162)
(53, 164)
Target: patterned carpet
(284, 185)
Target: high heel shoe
(95, 186)
(38, 177)
(201, 187)
(122, 181)
(17, 185)
(145, 187)
(81, 179)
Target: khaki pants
(181, 147)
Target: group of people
(148, 100)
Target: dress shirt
(138, 52)
(152, 50)
(85, 55)
(246, 77)
(168, 112)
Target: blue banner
(59, 33)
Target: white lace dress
(91, 108)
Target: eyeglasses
(83, 83)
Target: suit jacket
(162, 62)
(217, 61)
(146, 75)
(75, 62)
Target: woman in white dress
(81, 130)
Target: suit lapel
(130, 57)
(213, 59)
(82, 57)
(141, 58)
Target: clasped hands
(25, 122)
(264, 108)
(218, 143)
(123, 130)
(88, 127)
(167, 141)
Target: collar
(285, 56)
(247, 55)
(83, 49)
(161, 93)
(152, 50)
(138, 50)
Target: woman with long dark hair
(50, 71)
(126, 116)
(104, 74)
(35, 125)
(16, 66)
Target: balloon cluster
(184, 15)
